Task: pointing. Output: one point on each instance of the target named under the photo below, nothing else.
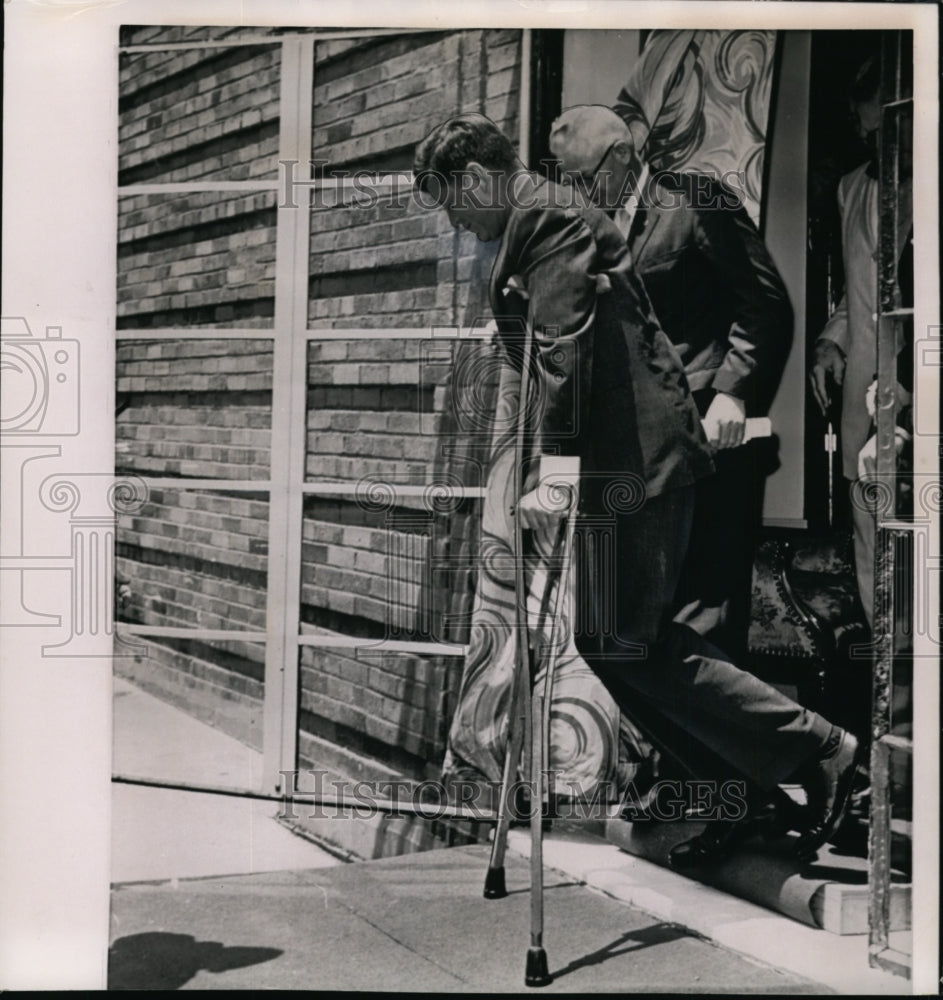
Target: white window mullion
(393, 491)
(280, 718)
(199, 634)
(195, 187)
(333, 640)
(195, 333)
(341, 34)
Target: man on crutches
(609, 390)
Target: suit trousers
(715, 584)
(628, 564)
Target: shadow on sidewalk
(645, 937)
(156, 960)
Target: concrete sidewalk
(212, 892)
(413, 923)
(165, 834)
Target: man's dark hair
(450, 147)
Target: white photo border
(59, 269)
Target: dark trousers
(714, 587)
(629, 565)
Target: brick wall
(200, 259)
(394, 263)
(195, 408)
(198, 113)
(376, 408)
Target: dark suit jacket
(611, 387)
(714, 286)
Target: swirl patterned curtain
(584, 733)
(698, 101)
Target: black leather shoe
(717, 841)
(828, 784)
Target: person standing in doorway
(719, 298)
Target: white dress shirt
(625, 213)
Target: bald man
(722, 303)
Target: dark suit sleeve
(556, 261)
(761, 329)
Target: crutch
(536, 971)
(530, 729)
(519, 710)
(524, 713)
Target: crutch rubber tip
(537, 973)
(494, 884)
